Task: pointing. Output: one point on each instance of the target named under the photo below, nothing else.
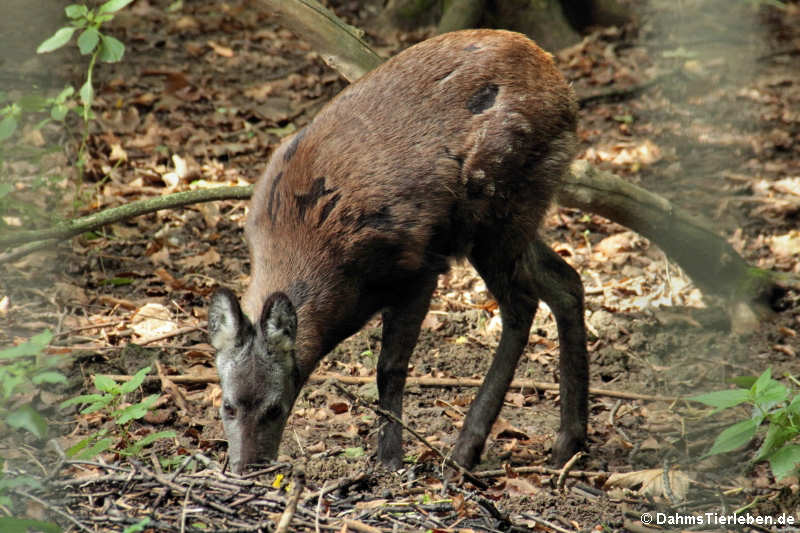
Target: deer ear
(278, 322)
(227, 326)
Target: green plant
(90, 41)
(23, 368)
(771, 402)
(110, 400)
(57, 107)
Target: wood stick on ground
(299, 480)
(341, 484)
(53, 509)
(423, 382)
(562, 476)
(544, 470)
(449, 462)
(541, 521)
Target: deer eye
(273, 412)
(228, 410)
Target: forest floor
(201, 98)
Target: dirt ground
(217, 84)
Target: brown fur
(457, 136)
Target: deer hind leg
(561, 288)
(496, 262)
(401, 326)
(517, 280)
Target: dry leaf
(651, 482)
(210, 257)
(223, 51)
(502, 429)
(153, 320)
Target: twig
(426, 382)
(612, 415)
(541, 521)
(391, 416)
(115, 214)
(318, 508)
(53, 509)
(178, 488)
(562, 476)
(177, 332)
(667, 484)
(184, 506)
(291, 505)
(542, 470)
(26, 249)
(339, 485)
(355, 525)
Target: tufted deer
(451, 149)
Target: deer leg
(518, 304)
(561, 288)
(401, 325)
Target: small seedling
(771, 402)
(110, 400)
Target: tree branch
(97, 220)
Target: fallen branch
(421, 382)
(97, 220)
(299, 480)
(563, 474)
(544, 470)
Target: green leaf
(34, 346)
(136, 448)
(95, 450)
(32, 102)
(76, 11)
(771, 394)
(10, 524)
(135, 411)
(135, 381)
(59, 39)
(84, 398)
(112, 6)
(792, 409)
(64, 94)
(88, 40)
(117, 282)
(87, 93)
(761, 382)
(354, 453)
(744, 382)
(5, 188)
(723, 399)
(58, 112)
(111, 49)
(139, 526)
(785, 461)
(734, 437)
(49, 377)
(106, 384)
(777, 436)
(7, 127)
(28, 418)
(8, 481)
